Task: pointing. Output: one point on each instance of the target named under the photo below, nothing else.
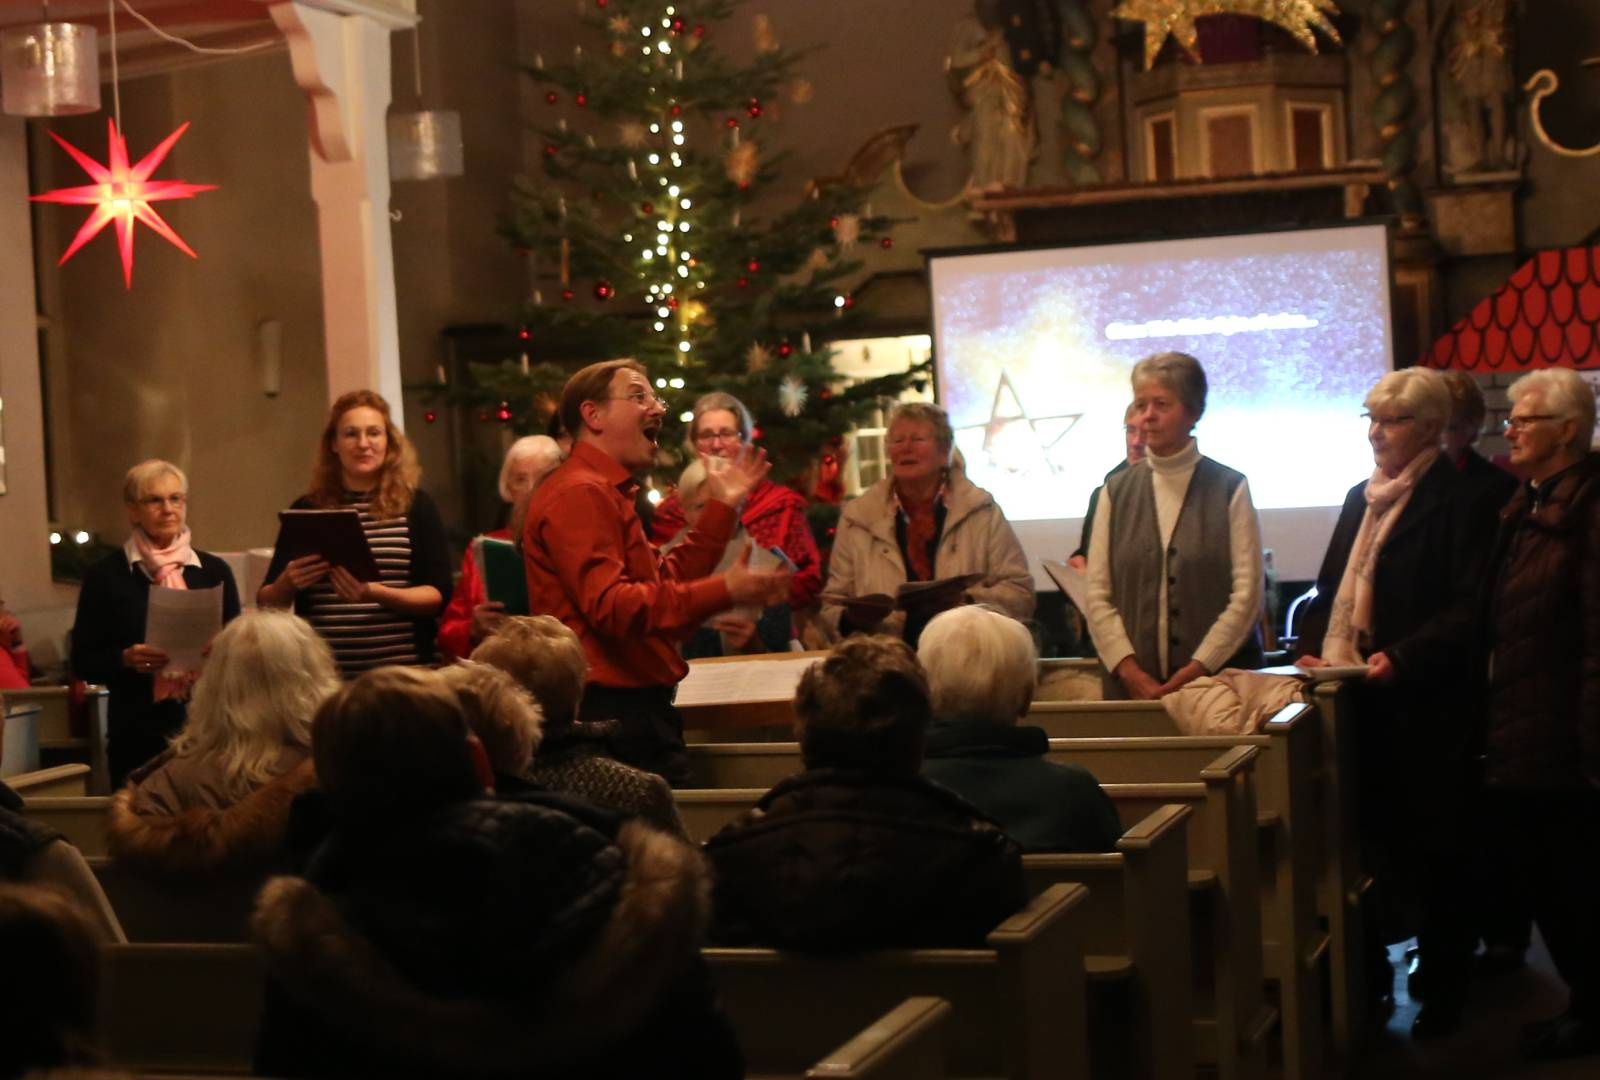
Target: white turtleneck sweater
(1170, 480)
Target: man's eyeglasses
(1518, 423)
(642, 398)
(155, 501)
(1387, 423)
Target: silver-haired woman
(1399, 573)
(925, 521)
(1175, 573)
(108, 646)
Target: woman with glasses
(365, 463)
(773, 515)
(108, 636)
(1399, 572)
(925, 521)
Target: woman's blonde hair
(141, 476)
(981, 665)
(500, 712)
(924, 412)
(546, 657)
(397, 483)
(541, 448)
(267, 674)
(1420, 391)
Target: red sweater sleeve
(13, 669)
(590, 557)
(455, 625)
(668, 520)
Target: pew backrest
(56, 737)
(1018, 1005)
(81, 819)
(61, 780)
(906, 1043)
(180, 1008)
(158, 909)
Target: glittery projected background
(1034, 349)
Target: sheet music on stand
(741, 682)
(1070, 580)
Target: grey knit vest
(1199, 562)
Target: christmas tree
(647, 241)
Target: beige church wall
(170, 368)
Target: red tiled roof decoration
(1546, 315)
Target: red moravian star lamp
(122, 194)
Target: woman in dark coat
(859, 851)
(1400, 569)
(365, 463)
(108, 635)
(439, 931)
(1540, 623)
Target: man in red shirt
(589, 564)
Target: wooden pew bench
(1018, 1006)
(152, 909)
(59, 780)
(57, 742)
(195, 1009)
(81, 819)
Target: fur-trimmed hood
(245, 837)
(566, 1012)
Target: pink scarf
(165, 568)
(164, 565)
(1351, 618)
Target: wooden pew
(1232, 1022)
(1304, 787)
(59, 781)
(57, 743)
(180, 1008)
(81, 819)
(1018, 1005)
(196, 1009)
(906, 1043)
(156, 910)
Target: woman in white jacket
(924, 522)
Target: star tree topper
(1176, 17)
(122, 194)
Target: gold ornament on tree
(802, 92)
(742, 162)
(756, 358)
(631, 134)
(847, 231)
(766, 39)
(1176, 17)
(620, 24)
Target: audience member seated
(742, 629)
(14, 668)
(219, 798)
(441, 932)
(471, 615)
(108, 645)
(47, 1004)
(35, 854)
(547, 659)
(859, 851)
(982, 669)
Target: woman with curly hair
(365, 463)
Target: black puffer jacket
(1543, 636)
(492, 938)
(832, 860)
(21, 837)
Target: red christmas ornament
(742, 282)
(430, 416)
(755, 433)
(551, 149)
(504, 412)
(551, 98)
(832, 531)
(676, 110)
(744, 185)
(732, 122)
(755, 108)
(647, 208)
(752, 266)
(834, 221)
(827, 459)
(523, 333)
(886, 243)
(603, 290)
(677, 26)
(483, 416)
(566, 294)
(784, 349)
(849, 300)
(699, 30)
(581, 99)
(672, 303)
(600, 3)
(524, 252)
(825, 395)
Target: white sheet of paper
(1071, 580)
(181, 623)
(1318, 674)
(741, 682)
